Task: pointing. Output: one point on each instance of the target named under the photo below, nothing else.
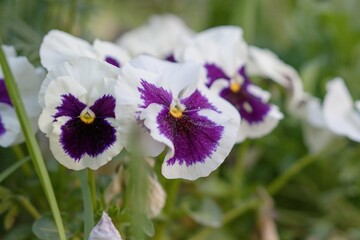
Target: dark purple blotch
(213, 73)
(259, 109)
(2, 127)
(78, 138)
(170, 58)
(4, 95)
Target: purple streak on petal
(2, 127)
(170, 58)
(4, 95)
(78, 138)
(197, 101)
(259, 109)
(70, 107)
(112, 61)
(213, 73)
(104, 107)
(153, 94)
(194, 137)
(242, 72)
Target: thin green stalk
(170, 202)
(31, 143)
(238, 175)
(284, 178)
(19, 153)
(88, 207)
(29, 207)
(92, 185)
(7, 172)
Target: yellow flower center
(87, 116)
(176, 112)
(235, 86)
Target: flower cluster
(190, 94)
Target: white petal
(316, 138)
(265, 63)
(223, 46)
(58, 47)
(157, 38)
(85, 71)
(9, 51)
(109, 49)
(339, 112)
(105, 230)
(257, 130)
(11, 124)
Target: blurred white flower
(105, 230)
(341, 113)
(157, 38)
(28, 80)
(157, 198)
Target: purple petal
(250, 107)
(70, 107)
(2, 127)
(213, 73)
(112, 61)
(4, 95)
(78, 138)
(194, 137)
(197, 101)
(170, 58)
(153, 94)
(104, 107)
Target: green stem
(170, 202)
(31, 143)
(28, 206)
(92, 187)
(7, 172)
(87, 200)
(284, 178)
(19, 153)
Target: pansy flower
(58, 47)
(28, 80)
(79, 113)
(157, 38)
(341, 113)
(198, 127)
(224, 56)
(104, 230)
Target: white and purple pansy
(224, 54)
(166, 100)
(58, 47)
(79, 113)
(157, 38)
(28, 80)
(341, 113)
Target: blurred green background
(320, 38)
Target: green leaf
(209, 214)
(45, 229)
(21, 232)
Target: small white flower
(28, 80)
(58, 47)
(79, 113)
(341, 114)
(105, 230)
(157, 38)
